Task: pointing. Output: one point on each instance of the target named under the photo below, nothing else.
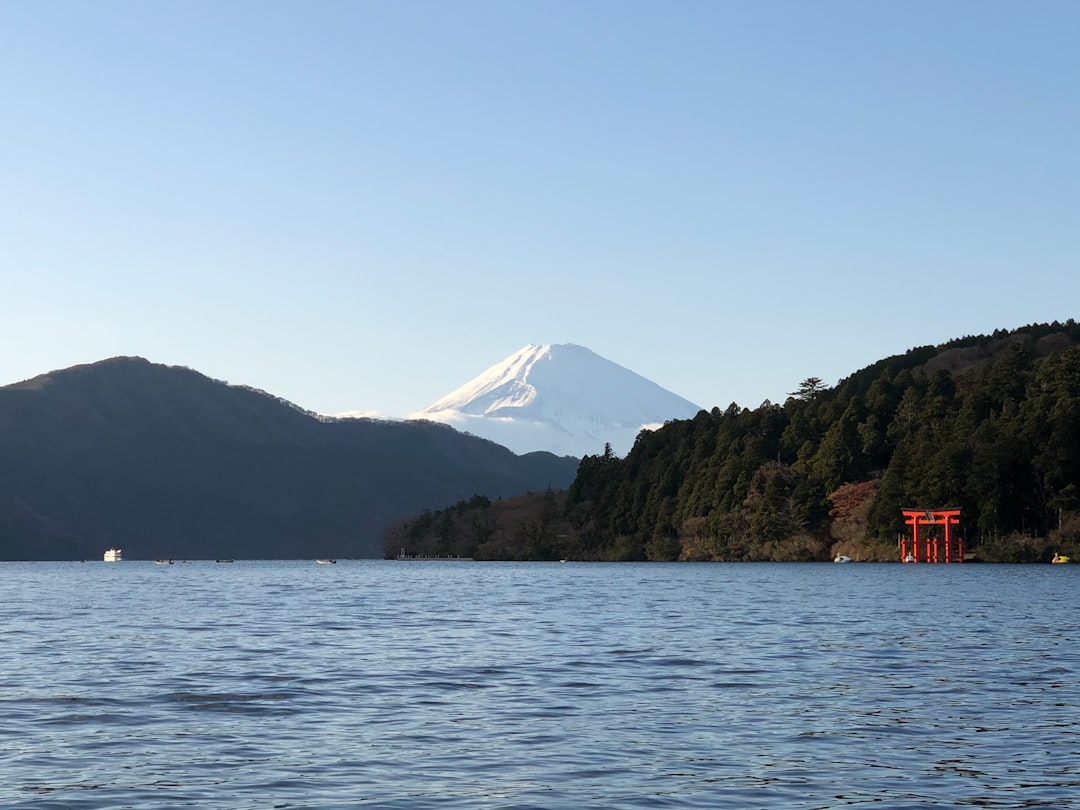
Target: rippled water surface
(477, 685)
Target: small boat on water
(1059, 559)
(326, 562)
(842, 558)
(909, 558)
(163, 562)
(113, 555)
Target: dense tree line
(989, 424)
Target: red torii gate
(954, 545)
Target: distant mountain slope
(561, 398)
(166, 462)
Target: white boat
(113, 555)
(842, 558)
(326, 562)
(910, 558)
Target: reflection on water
(475, 685)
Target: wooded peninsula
(989, 425)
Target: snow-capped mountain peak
(562, 398)
(504, 385)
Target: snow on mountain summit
(562, 398)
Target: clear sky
(359, 206)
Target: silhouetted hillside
(165, 462)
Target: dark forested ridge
(165, 462)
(989, 424)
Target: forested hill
(165, 462)
(988, 424)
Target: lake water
(503, 685)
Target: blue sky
(362, 205)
